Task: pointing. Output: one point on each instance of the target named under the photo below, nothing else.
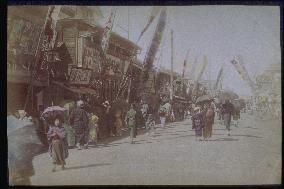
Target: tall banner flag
(239, 66)
(193, 68)
(185, 64)
(155, 11)
(49, 35)
(152, 51)
(54, 18)
(203, 66)
(107, 30)
(45, 43)
(220, 74)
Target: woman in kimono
(58, 147)
(93, 128)
(163, 115)
(208, 121)
(197, 123)
(131, 122)
(118, 122)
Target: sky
(218, 32)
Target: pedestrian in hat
(79, 121)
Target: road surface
(251, 155)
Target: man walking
(79, 121)
(130, 120)
(228, 109)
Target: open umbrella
(230, 95)
(53, 111)
(204, 98)
(238, 104)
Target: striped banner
(239, 66)
(155, 11)
(204, 64)
(123, 85)
(218, 78)
(107, 30)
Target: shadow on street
(88, 166)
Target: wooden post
(172, 65)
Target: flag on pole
(239, 66)
(154, 12)
(193, 68)
(50, 28)
(220, 74)
(204, 64)
(107, 30)
(152, 51)
(49, 36)
(185, 63)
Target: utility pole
(128, 22)
(172, 64)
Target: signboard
(88, 54)
(80, 76)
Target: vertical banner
(107, 30)
(185, 64)
(154, 12)
(220, 74)
(203, 66)
(239, 66)
(49, 35)
(193, 68)
(152, 51)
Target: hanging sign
(80, 76)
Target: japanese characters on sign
(80, 76)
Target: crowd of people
(203, 117)
(80, 126)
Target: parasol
(204, 98)
(238, 104)
(230, 95)
(51, 112)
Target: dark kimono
(227, 114)
(58, 145)
(197, 123)
(79, 121)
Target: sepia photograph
(144, 95)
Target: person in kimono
(130, 120)
(150, 122)
(197, 123)
(93, 128)
(163, 115)
(208, 121)
(79, 121)
(118, 122)
(58, 146)
(228, 109)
